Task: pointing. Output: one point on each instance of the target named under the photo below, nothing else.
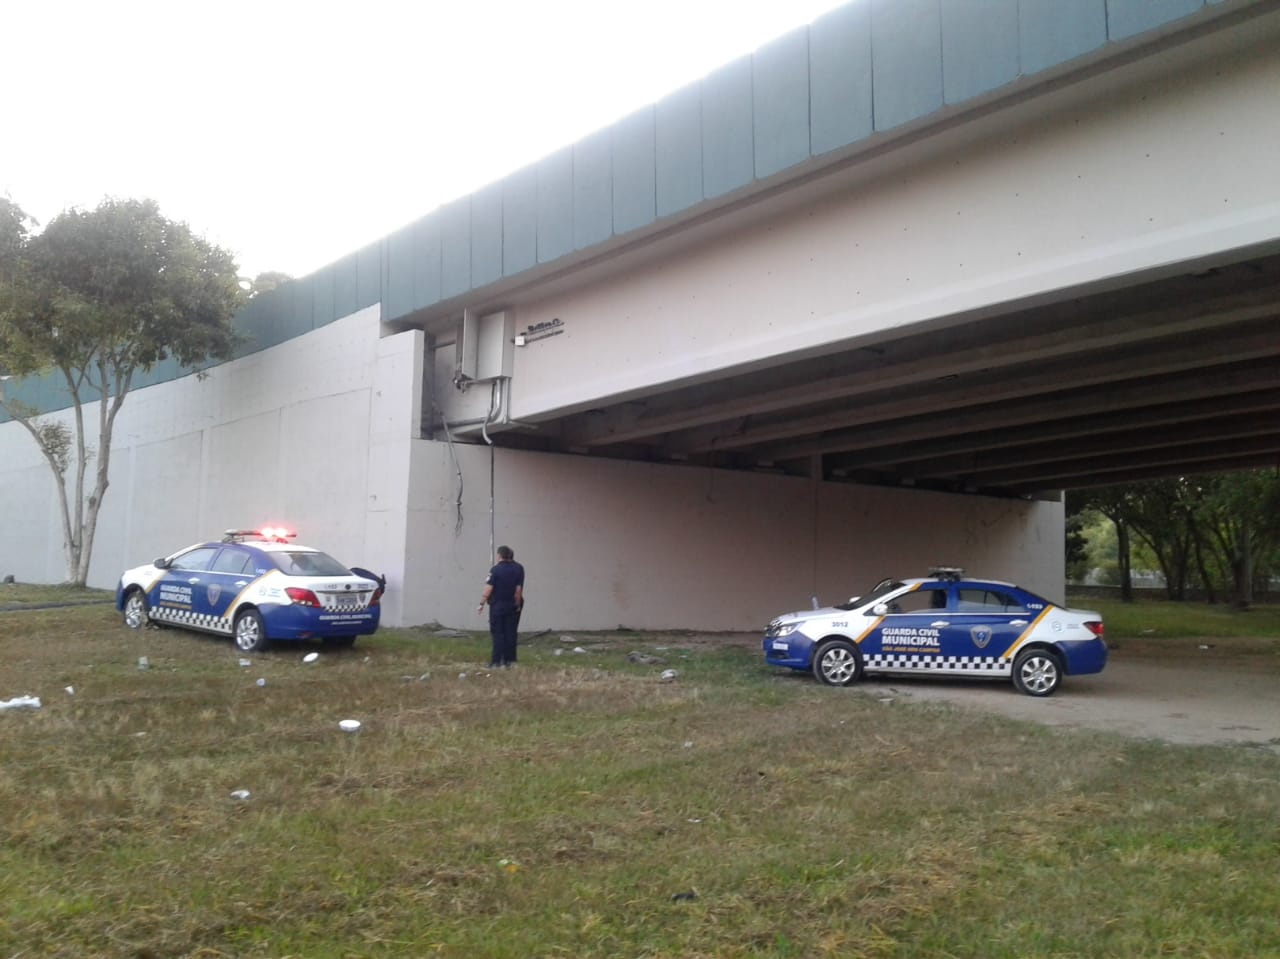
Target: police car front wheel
(136, 614)
(1037, 672)
(837, 662)
(250, 635)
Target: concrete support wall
(608, 543)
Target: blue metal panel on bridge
(455, 247)
(840, 78)
(728, 154)
(678, 150)
(486, 235)
(780, 99)
(906, 63)
(555, 205)
(634, 172)
(979, 47)
(592, 190)
(520, 221)
(1051, 32)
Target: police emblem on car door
(230, 573)
(989, 619)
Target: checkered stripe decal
(186, 617)
(956, 664)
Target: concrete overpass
(863, 301)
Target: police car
(255, 586)
(942, 625)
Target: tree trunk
(1244, 569)
(1122, 555)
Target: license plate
(780, 645)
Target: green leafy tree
(91, 300)
(1239, 516)
(1113, 502)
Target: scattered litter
(143, 663)
(689, 896)
(668, 675)
(694, 821)
(71, 690)
(1206, 646)
(349, 725)
(688, 744)
(246, 662)
(240, 794)
(261, 681)
(887, 700)
(424, 677)
(644, 659)
(509, 865)
(568, 639)
(559, 652)
(578, 649)
(310, 657)
(462, 675)
(21, 702)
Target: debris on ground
(21, 702)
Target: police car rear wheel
(136, 614)
(249, 633)
(1037, 672)
(837, 662)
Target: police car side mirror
(879, 609)
(160, 563)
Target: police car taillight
(1095, 627)
(303, 597)
(377, 595)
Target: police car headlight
(781, 629)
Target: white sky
(293, 133)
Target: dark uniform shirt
(504, 577)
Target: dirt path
(1188, 691)
(1169, 701)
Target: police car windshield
(308, 563)
(882, 587)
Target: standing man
(504, 592)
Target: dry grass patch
(579, 805)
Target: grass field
(578, 805)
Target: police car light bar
(952, 573)
(272, 534)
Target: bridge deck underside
(1176, 375)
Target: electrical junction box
(486, 345)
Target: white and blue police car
(255, 586)
(942, 625)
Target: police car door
(909, 635)
(230, 573)
(987, 620)
(176, 596)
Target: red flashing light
(276, 534)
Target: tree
(1113, 502)
(1240, 516)
(93, 299)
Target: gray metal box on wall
(486, 345)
